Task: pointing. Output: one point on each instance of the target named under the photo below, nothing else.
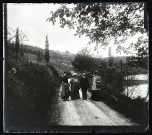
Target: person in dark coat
(84, 84)
(64, 87)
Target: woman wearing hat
(96, 87)
(74, 82)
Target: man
(84, 84)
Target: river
(140, 90)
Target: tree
(47, 50)
(67, 52)
(11, 35)
(102, 22)
(16, 38)
(141, 59)
(17, 43)
(84, 61)
(111, 59)
(39, 56)
(142, 55)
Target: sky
(31, 18)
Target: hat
(75, 74)
(96, 71)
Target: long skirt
(75, 92)
(65, 92)
(96, 95)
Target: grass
(60, 65)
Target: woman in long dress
(75, 86)
(96, 87)
(64, 87)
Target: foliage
(47, 50)
(30, 91)
(15, 39)
(34, 86)
(102, 22)
(83, 61)
(12, 55)
(136, 109)
(110, 61)
(55, 73)
(141, 59)
(115, 76)
(39, 56)
(112, 74)
(17, 42)
(12, 34)
(112, 77)
(112, 88)
(137, 63)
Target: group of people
(70, 86)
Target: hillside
(60, 60)
(55, 54)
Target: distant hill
(57, 54)
(60, 60)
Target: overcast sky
(31, 18)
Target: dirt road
(89, 113)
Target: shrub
(54, 71)
(30, 91)
(84, 62)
